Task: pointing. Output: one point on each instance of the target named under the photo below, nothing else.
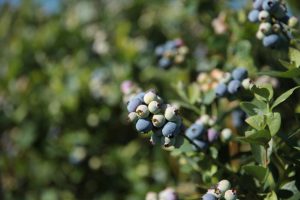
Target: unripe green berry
(293, 21)
(230, 195)
(260, 35)
(225, 78)
(158, 120)
(223, 186)
(171, 113)
(276, 28)
(247, 83)
(265, 28)
(263, 15)
(142, 111)
(150, 96)
(226, 134)
(154, 107)
(132, 117)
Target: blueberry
(154, 107)
(168, 194)
(253, 16)
(234, 86)
(195, 131)
(170, 129)
(271, 41)
(226, 134)
(140, 96)
(212, 134)
(263, 15)
(238, 117)
(199, 145)
(149, 97)
(158, 120)
(230, 195)
(257, 4)
(164, 63)
(170, 45)
(132, 117)
(265, 28)
(133, 104)
(239, 73)
(221, 90)
(270, 5)
(223, 185)
(159, 51)
(142, 111)
(209, 196)
(171, 113)
(143, 125)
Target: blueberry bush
(155, 100)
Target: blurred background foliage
(63, 128)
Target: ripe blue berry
(209, 196)
(234, 86)
(195, 131)
(271, 40)
(238, 117)
(143, 125)
(133, 104)
(257, 4)
(270, 5)
(140, 96)
(199, 145)
(253, 16)
(164, 63)
(170, 129)
(221, 90)
(239, 74)
(159, 51)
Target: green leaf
(284, 96)
(257, 121)
(260, 173)
(264, 92)
(294, 55)
(249, 108)
(271, 196)
(256, 137)
(273, 122)
(209, 97)
(259, 153)
(193, 93)
(286, 64)
(291, 73)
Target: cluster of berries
(129, 90)
(202, 132)
(170, 53)
(150, 113)
(232, 86)
(166, 194)
(221, 191)
(210, 80)
(274, 22)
